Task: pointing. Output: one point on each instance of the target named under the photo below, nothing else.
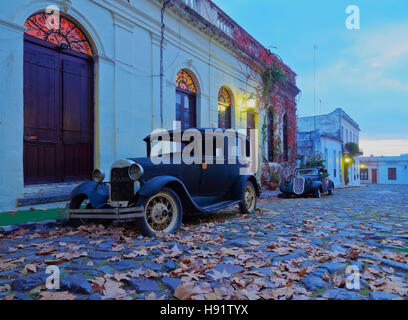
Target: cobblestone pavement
(291, 249)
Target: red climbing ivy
(277, 92)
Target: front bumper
(111, 213)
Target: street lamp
(251, 103)
(248, 104)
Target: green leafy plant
(314, 161)
(352, 149)
(274, 177)
(272, 75)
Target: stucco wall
(126, 40)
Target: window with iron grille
(392, 173)
(364, 174)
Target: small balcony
(242, 39)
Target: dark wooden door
(58, 114)
(374, 176)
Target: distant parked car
(156, 196)
(308, 181)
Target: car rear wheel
(163, 212)
(248, 202)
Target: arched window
(271, 144)
(285, 137)
(224, 108)
(186, 100)
(59, 32)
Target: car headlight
(135, 171)
(98, 175)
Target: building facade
(384, 170)
(327, 146)
(84, 81)
(327, 136)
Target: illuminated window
(224, 108)
(58, 32)
(186, 100)
(185, 82)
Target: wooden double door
(58, 114)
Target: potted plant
(274, 180)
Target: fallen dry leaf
(64, 295)
(184, 291)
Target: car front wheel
(248, 202)
(163, 212)
(317, 193)
(331, 191)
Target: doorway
(58, 113)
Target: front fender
(96, 193)
(287, 188)
(154, 185)
(315, 185)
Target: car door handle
(30, 138)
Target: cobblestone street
(291, 249)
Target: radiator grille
(122, 187)
(299, 185)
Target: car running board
(219, 206)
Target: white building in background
(86, 94)
(327, 135)
(384, 170)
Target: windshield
(306, 172)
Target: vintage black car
(308, 181)
(156, 196)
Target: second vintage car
(308, 181)
(157, 195)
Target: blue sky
(365, 72)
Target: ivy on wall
(273, 94)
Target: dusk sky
(364, 72)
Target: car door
(216, 178)
(188, 173)
(325, 181)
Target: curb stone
(32, 226)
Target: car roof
(217, 131)
(314, 167)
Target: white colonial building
(82, 82)
(327, 135)
(384, 170)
